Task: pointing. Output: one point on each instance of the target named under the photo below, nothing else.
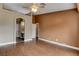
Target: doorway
(20, 30)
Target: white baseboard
(60, 44)
(3, 44)
(28, 40)
(7, 43)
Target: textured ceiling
(49, 7)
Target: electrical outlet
(56, 39)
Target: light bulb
(34, 8)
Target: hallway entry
(20, 30)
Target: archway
(20, 30)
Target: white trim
(60, 44)
(28, 40)
(3, 44)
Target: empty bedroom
(39, 29)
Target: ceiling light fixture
(34, 7)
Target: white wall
(0, 5)
(28, 28)
(8, 26)
(33, 30)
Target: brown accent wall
(59, 26)
(33, 19)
